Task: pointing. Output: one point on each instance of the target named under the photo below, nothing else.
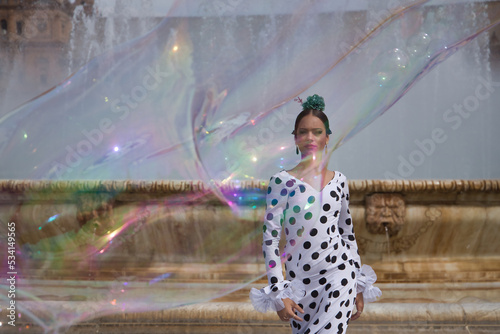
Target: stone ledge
(375, 314)
(238, 313)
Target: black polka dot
(327, 259)
(292, 274)
(341, 328)
(351, 237)
(347, 303)
(307, 245)
(274, 280)
(328, 325)
(334, 195)
(315, 255)
(314, 293)
(326, 207)
(353, 275)
(323, 219)
(328, 286)
(308, 330)
(289, 258)
(348, 221)
(306, 267)
(312, 305)
(339, 315)
(322, 281)
(324, 245)
(316, 322)
(307, 317)
(322, 272)
(344, 257)
(344, 282)
(334, 259)
(306, 281)
(336, 294)
(313, 232)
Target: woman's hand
(360, 304)
(288, 312)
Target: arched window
(3, 26)
(19, 26)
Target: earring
(297, 149)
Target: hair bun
(314, 102)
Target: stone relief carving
(97, 209)
(397, 245)
(384, 211)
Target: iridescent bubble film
(207, 95)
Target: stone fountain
(437, 262)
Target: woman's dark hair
(314, 105)
(318, 113)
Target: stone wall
(437, 230)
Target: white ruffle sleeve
(269, 297)
(365, 280)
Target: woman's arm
(346, 227)
(365, 276)
(276, 199)
(272, 296)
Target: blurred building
(34, 41)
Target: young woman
(323, 268)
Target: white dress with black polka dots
(320, 251)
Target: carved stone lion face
(384, 210)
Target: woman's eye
(318, 132)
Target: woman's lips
(310, 146)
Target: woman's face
(311, 135)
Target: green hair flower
(314, 102)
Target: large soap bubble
(207, 95)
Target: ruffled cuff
(269, 297)
(366, 278)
